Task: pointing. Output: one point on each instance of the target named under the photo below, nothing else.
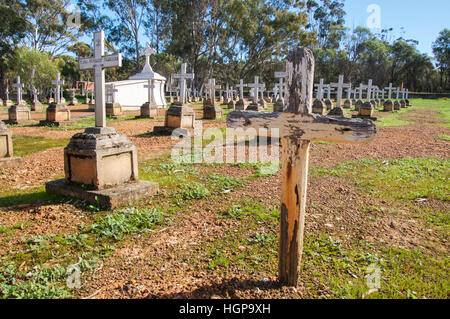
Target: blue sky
(421, 20)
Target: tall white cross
(407, 93)
(389, 89)
(349, 92)
(281, 76)
(340, 86)
(319, 87)
(255, 86)
(182, 81)
(99, 63)
(398, 93)
(241, 86)
(58, 84)
(229, 92)
(19, 87)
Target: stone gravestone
(57, 113)
(402, 101)
(91, 103)
(340, 86)
(319, 106)
(366, 110)
(36, 105)
(73, 98)
(297, 127)
(100, 164)
(211, 110)
(279, 104)
(113, 109)
(261, 100)
(388, 105)
(6, 148)
(51, 99)
(179, 114)
(359, 102)
(255, 106)
(19, 113)
(241, 104)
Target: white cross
(211, 86)
(403, 94)
(340, 86)
(150, 86)
(390, 89)
(369, 90)
(281, 76)
(148, 51)
(241, 86)
(58, 84)
(256, 86)
(182, 81)
(398, 93)
(19, 87)
(349, 92)
(110, 91)
(361, 87)
(99, 63)
(229, 92)
(319, 87)
(407, 93)
(328, 88)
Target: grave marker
(256, 86)
(19, 113)
(297, 128)
(241, 105)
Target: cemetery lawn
(212, 231)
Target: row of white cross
(372, 91)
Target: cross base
(110, 198)
(256, 107)
(319, 107)
(397, 106)
(337, 111)
(212, 112)
(19, 114)
(388, 106)
(36, 106)
(348, 104)
(177, 116)
(241, 105)
(329, 104)
(113, 109)
(100, 158)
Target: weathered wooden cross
(297, 128)
(182, 77)
(99, 62)
(19, 87)
(339, 87)
(58, 82)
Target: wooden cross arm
(312, 127)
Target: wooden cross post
(99, 62)
(255, 86)
(19, 87)
(297, 128)
(58, 84)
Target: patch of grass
(262, 169)
(25, 145)
(343, 272)
(81, 123)
(409, 178)
(193, 191)
(224, 183)
(250, 209)
(444, 137)
(127, 221)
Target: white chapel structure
(131, 93)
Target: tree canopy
(225, 39)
